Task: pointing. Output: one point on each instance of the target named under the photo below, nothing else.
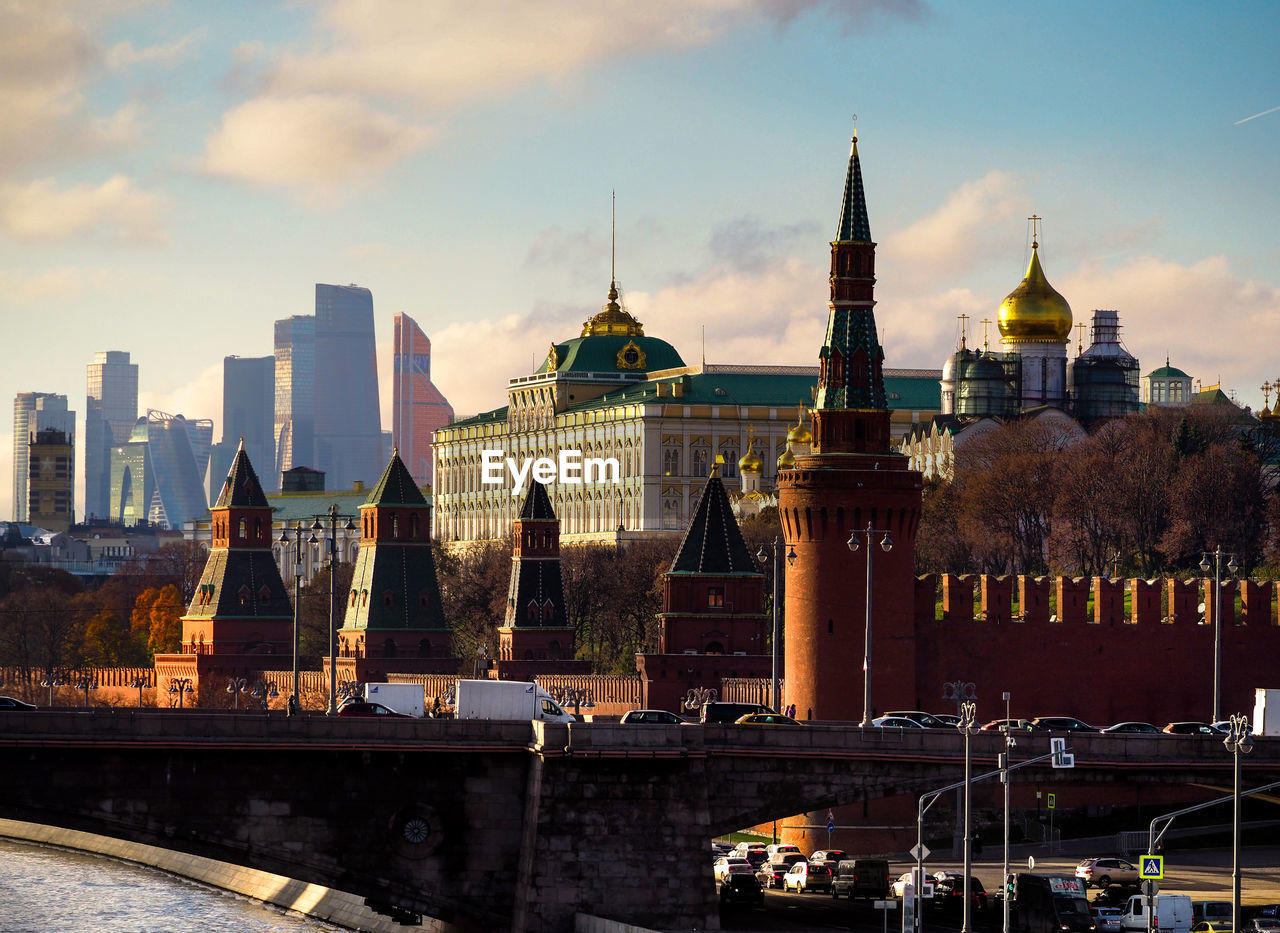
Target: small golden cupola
(799, 438)
(750, 462)
(1034, 311)
(786, 459)
(612, 320)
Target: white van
(1173, 914)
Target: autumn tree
(1217, 499)
(156, 620)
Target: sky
(176, 176)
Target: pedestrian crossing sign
(1151, 867)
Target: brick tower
(850, 479)
(535, 636)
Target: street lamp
(697, 697)
(968, 725)
(86, 683)
(178, 686)
(235, 687)
(1009, 743)
(53, 679)
(482, 656)
(886, 543)
(333, 599)
(1217, 617)
(139, 684)
(264, 691)
(580, 697)
(1239, 741)
(958, 691)
(775, 698)
(292, 707)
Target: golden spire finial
(985, 322)
(799, 414)
(1035, 230)
(1080, 338)
(963, 319)
(1266, 395)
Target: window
(699, 457)
(388, 600)
(244, 528)
(671, 461)
(715, 597)
(389, 648)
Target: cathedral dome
(750, 462)
(1034, 311)
(799, 435)
(786, 459)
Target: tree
(156, 620)
(473, 591)
(1217, 499)
(313, 622)
(181, 563)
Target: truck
(1266, 711)
(1050, 904)
(403, 698)
(507, 699)
(1172, 913)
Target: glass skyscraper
(111, 408)
(34, 412)
(156, 476)
(348, 424)
(248, 412)
(417, 406)
(295, 390)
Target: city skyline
(175, 180)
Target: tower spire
(854, 225)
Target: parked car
(1107, 918)
(13, 703)
(1131, 728)
(742, 888)
(1104, 872)
(928, 720)
(651, 717)
(766, 719)
(948, 893)
(360, 708)
(804, 876)
(895, 722)
(1017, 725)
(1190, 728)
(726, 864)
(1216, 911)
(1062, 724)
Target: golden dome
(1034, 310)
(786, 459)
(799, 435)
(612, 320)
(750, 462)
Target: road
(1204, 874)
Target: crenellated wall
(1070, 646)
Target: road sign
(920, 852)
(1061, 758)
(1052, 800)
(926, 889)
(1151, 867)
(886, 905)
(1031, 863)
(831, 826)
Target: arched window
(257, 529)
(548, 612)
(553, 651)
(244, 528)
(714, 648)
(388, 600)
(533, 613)
(395, 526)
(424, 648)
(389, 648)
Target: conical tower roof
(713, 542)
(242, 489)
(854, 225)
(537, 505)
(396, 487)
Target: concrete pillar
(1184, 596)
(997, 598)
(957, 597)
(1033, 598)
(1255, 599)
(926, 598)
(1144, 602)
(1108, 601)
(1073, 598)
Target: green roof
(1166, 372)
(599, 354)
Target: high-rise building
(248, 415)
(295, 385)
(156, 476)
(111, 408)
(34, 412)
(417, 406)
(51, 479)
(348, 424)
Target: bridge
(503, 825)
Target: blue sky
(176, 176)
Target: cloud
(116, 209)
(321, 145)
(50, 285)
(200, 397)
(125, 55)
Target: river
(47, 890)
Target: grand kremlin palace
(614, 392)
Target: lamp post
(292, 706)
(482, 657)
(886, 543)
(1239, 741)
(53, 679)
(697, 697)
(333, 598)
(235, 687)
(139, 684)
(1232, 566)
(264, 691)
(86, 683)
(1009, 743)
(775, 691)
(580, 697)
(958, 691)
(968, 725)
(179, 687)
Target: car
(765, 719)
(827, 855)
(742, 888)
(803, 876)
(948, 892)
(895, 722)
(1268, 911)
(725, 865)
(1131, 728)
(778, 867)
(753, 853)
(1108, 919)
(724, 711)
(780, 848)
(1219, 911)
(13, 704)
(721, 848)
(1190, 728)
(1104, 872)
(1262, 925)
(928, 720)
(899, 886)
(360, 708)
(1062, 724)
(1112, 897)
(947, 719)
(1224, 726)
(651, 717)
(1211, 926)
(1017, 725)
